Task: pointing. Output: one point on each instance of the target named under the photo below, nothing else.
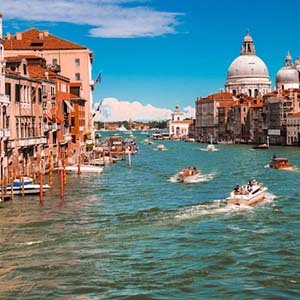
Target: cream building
(248, 74)
(178, 126)
(293, 129)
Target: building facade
(71, 60)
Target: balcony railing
(4, 133)
(30, 141)
(4, 99)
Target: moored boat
(85, 169)
(280, 163)
(261, 147)
(27, 189)
(248, 194)
(188, 174)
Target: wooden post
(61, 178)
(129, 159)
(2, 189)
(22, 181)
(78, 165)
(11, 189)
(41, 186)
(50, 170)
(64, 169)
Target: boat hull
(86, 169)
(247, 200)
(29, 189)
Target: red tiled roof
(36, 39)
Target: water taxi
(160, 147)
(211, 147)
(188, 174)
(248, 194)
(280, 163)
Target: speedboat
(280, 163)
(160, 147)
(248, 194)
(188, 174)
(211, 147)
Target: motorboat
(22, 181)
(280, 163)
(147, 142)
(211, 147)
(84, 169)
(188, 174)
(160, 147)
(248, 194)
(261, 147)
(27, 188)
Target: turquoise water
(134, 233)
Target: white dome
(250, 66)
(287, 74)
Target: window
(77, 76)
(17, 92)
(72, 121)
(77, 62)
(24, 69)
(54, 61)
(7, 89)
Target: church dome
(247, 66)
(248, 74)
(288, 74)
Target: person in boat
(194, 170)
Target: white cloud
(108, 18)
(113, 110)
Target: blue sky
(163, 52)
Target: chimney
(46, 33)
(8, 35)
(0, 25)
(19, 36)
(41, 35)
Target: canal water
(135, 233)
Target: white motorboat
(188, 175)
(211, 147)
(28, 188)
(248, 194)
(160, 147)
(84, 169)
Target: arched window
(250, 92)
(255, 92)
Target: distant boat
(86, 169)
(188, 174)
(160, 147)
(261, 147)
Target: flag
(98, 79)
(97, 109)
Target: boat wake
(217, 207)
(209, 150)
(199, 178)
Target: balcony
(67, 137)
(30, 141)
(4, 99)
(4, 133)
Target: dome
(247, 66)
(287, 74)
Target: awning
(71, 108)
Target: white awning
(71, 108)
